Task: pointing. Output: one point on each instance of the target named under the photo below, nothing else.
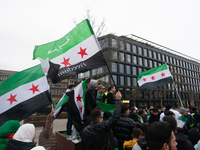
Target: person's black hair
(169, 113)
(95, 114)
(168, 106)
(193, 108)
(140, 112)
(110, 87)
(158, 134)
(136, 132)
(71, 86)
(106, 115)
(124, 108)
(144, 127)
(172, 122)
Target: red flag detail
(34, 88)
(12, 99)
(82, 52)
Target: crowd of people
(125, 129)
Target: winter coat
(194, 135)
(182, 142)
(123, 129)
(90, 98)
(19, 145)
(47, 137)
(99, 136)
(154, 118)
(142, 143)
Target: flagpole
(178, 94)
(109, 70)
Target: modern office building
(128, 56)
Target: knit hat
(143, 107)
(182, 110)
(101, 87)
(196, 118)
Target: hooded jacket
(90, 96)
(23, 138)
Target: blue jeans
(69, 124)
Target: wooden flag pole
(175, 86)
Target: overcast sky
(25, 23)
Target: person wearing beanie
(194, 133)
(189, 124)
(101, 90)
(90, 97)
(182, 119)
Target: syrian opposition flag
(23, 93)
(155, 77)
(78, 51)
(60, 106)
(106, 107)
(76, 103)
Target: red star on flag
(153, 78)
(78, 98)
(12, 99)
(163, 74)
(34, 88)
(81, 109)
(66, 62)
(82, 52)
(144, 79)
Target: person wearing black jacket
(109, 97)
(98, 135)
(123, 128)
(90, 97)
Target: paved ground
(58, 125)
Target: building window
(145, 52)
(128, 47)
(155, 64)
(128, 81)
(128, 58)
(167, 59)
(134, 59)
(150, 53)
(114, 43)
(122, 91)
(128, 69)
(140, 61)
(154, 55)
(121, 80)
(122, 46)
(171, 60)
(104, 43)
(114, 67)
(121, 68)
(128, 93)
(139, 70)
(145, 62)
(134, 81)
(115, 79)
(140, 50)
(163, 58)
(121, 56)
(134, 49)
(159, 56)
(55, 92)
(134, 70)
(114, 55)
(150, 64)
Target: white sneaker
(69, 137)
(75, 141)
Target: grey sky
(26, 23)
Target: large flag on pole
(78, 51)
(23, 93)
(106, 107)
(76, 103)
(155, 77)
